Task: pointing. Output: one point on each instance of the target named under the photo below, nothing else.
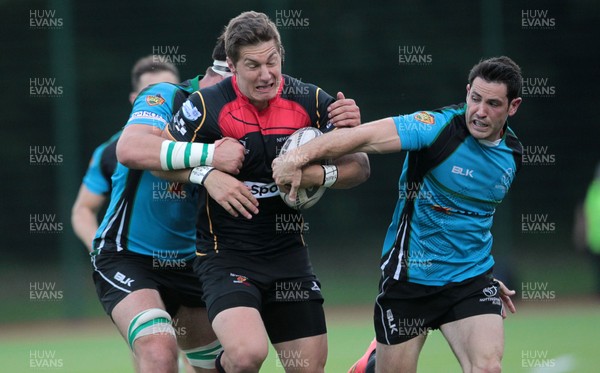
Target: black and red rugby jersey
(223, 111)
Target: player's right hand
(505, 294)
(229, 155)
(233, 195)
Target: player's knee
(156, 353)
(487, 365)
(248, 358)
(204, 356)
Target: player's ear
(230, 65)
(514, 106)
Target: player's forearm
(353, 169)
(140, 150)
(85, 225)
(178, 176)
(330, 146)
(377, 137)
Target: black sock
(371, 363)
(218, 365)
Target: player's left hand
(344, 112)
(505, 295)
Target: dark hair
(218, 52)
(150, 64)
(500, 70)
(250, 28)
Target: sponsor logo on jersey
(462, 171)
(144, 114)
(425, 117)
(190, 111)
(262, 190)
(155, 100)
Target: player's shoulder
(449, 113)
(512, 141)
(216, 95)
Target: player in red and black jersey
(257, 277)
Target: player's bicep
(189, 119)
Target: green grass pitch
(549, 337)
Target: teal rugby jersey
(148, 215)
(449, 188)
(102, 165)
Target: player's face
(258, 72)
(488, 108)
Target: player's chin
(480, 133)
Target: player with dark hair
(144, 247)
(436, 261)
(96, 186)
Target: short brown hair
(150, 64)
(499, 70)
(250, 28)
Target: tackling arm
(375, 137)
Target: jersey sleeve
(419, 130)
(94, 179)
(323, 100)
(153, 106)
(193, 122)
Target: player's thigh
(304, 354)
(193, 328)
(241, 332)
(134, 303)
(399, 358)
(476, 340)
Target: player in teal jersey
(143, 248)
(96, 186)
(436, 260)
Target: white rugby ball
(305, 197)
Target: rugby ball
(305, 197)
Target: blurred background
(65, 74)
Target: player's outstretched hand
(286, 174)
(505, 295)
(344, 112)
(233, 195)
(229, 155)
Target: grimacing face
(488, 109)
(258, 72)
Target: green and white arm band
(330, 175)
(175, 155)
(199, 174)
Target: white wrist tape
(199, 174)
(175, 155)
(330, 175)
